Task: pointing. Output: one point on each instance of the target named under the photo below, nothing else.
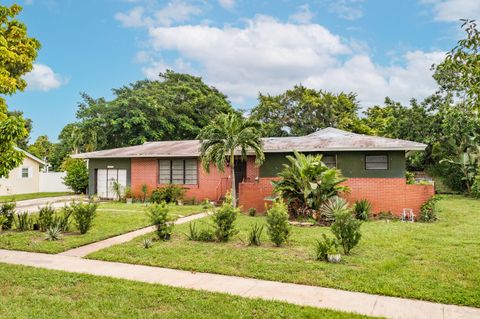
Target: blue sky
(374, 48)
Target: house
(23, 179)
(374, 166)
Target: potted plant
(128, 195)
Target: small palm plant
(53, 233)
(227, 136)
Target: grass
(18, 197)
(439, 262)
(39, 293)
(112, 219)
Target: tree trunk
(232, 173)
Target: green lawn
(438, 262)
(36, 293)
(112, 219)
(32, 196)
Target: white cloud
(347, 9)
(303, 15)
(42, 78)
(269, 56)
(173, 12)
(454, 10)
(227, 4)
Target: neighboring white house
(27, 178)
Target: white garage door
(106, 178)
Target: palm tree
(225, 137)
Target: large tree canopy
(17, 53)
(302, 110)
(173, 108)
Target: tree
(459, 73)
(77, 174)
(306, 183)
(301, 111)
(227, 136)
(42, 148)
(17, 53)
(23, 141)
(175, 107)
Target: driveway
(33, 205)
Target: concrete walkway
(362, 303)
(32, 205)
(88, 249)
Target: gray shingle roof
(328, 139)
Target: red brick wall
(385, 194)
(145, 171)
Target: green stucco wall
(103, 163)
(352, 164)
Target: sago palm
(227, 136)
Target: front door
(106, 179)
(240, 172)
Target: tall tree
(17, 53)
(175, 107)
(302, 111)
(42, 148)
(23, 141)
(227, 136)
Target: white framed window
(25, 172)
(178, 171)
(376, 162)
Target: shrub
(306, 183)
(347, 230)
(83, 215)
(224, 219)
(362, 209)
(252, 212)
(428, 211)
(77, 174)
(158, 215)
(410, 177)
(45, 217)
(63, 220)
(325, 247)
(277, 223)
(2, 220)
(254, 236)
(386, 215)
(128, 192)
(24, 222)
(207, 205)
(195, 234)
(168, 194)
(144, 192)
(7, 210)
(53, 233)
(147, 243)
(329, 209)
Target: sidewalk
(362, 303)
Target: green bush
(252, 212)
(347, 230)
(144, 192)
(196, 234)
(45, 217)
(277, 223)
(77, 174)
(330, 208)
(224, 220)
(168, 194)
(324, 247)
(410, 177)
(158, 215)
(63, 219)
(428, 211)
(255, 235)
(7, 210)
(83, 215)
(362, 209)
(24, 222)
(2, 220)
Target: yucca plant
(23, 222)
(255, 235)
(306, 183)
(2, 221)
(330, 208)
(362, 209)
(53, 233)
(147, 243)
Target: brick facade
(385, 194)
